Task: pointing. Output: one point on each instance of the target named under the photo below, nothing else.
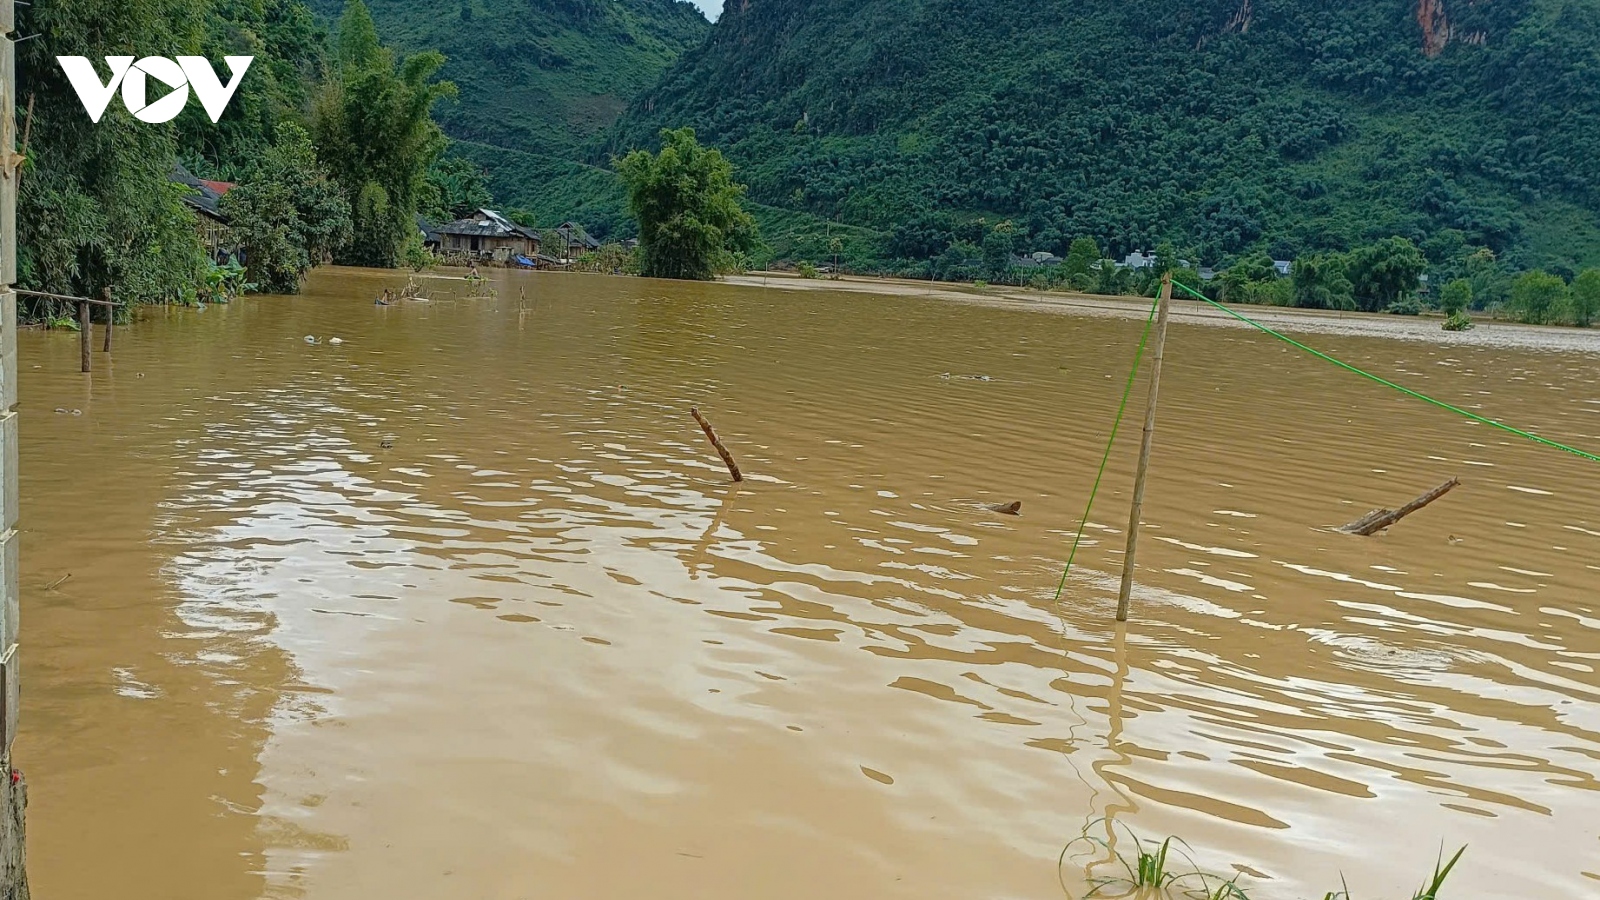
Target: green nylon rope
(1386, 382)
(1138, 356)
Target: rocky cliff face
(1435, 26)
(1437, 29)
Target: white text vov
(180, 75)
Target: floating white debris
(1214, 551)
(1491, 586)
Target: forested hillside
(1222, 126)
(539, 76)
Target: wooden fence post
(1126, 593)
(85, 331)
(111, 317)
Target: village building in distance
(205, 198)
(484, 236)
(490, 237)
(575, 241)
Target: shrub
(1456, 297)
(1406, 306)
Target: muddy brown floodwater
(464, 605)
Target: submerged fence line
(1138, 359)
(1387, 383)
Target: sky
(712, 8)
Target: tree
(376, 135)
(1166, 259)
(998, 245)
(1188, 277)
(1241, 281)
(454, 189)
(1491, 285)
(291, 52)
(1586, 298)
(1455, 297)
(1381, 274)
(961, 261)
(96, 206)
(358, 45)
(1277, 292)
(1320, 283)
(1109, 279)
(692, 222)
(1537, 297)
(1081, 257)
(288, 216)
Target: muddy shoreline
(1423, 329)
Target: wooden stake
(85, 329)
(1379, 519)
(111, 318)
(1126, 593)
(733, 467)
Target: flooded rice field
(465, 606)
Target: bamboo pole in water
(111, 318)
(733, 467)
(1126, 592)
(84, 332)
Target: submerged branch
(1379, 519)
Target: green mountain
(1221, 125)
(541, 76)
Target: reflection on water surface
(538, 646)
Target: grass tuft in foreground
(1166, 870)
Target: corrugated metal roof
(492, 224)
(201, 195)
(575, 233)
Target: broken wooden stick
(1379, 519)
(733, 467)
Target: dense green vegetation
(376, 135)
(540, 76)
(97, 208)
(291, 59)
(452, 188)
(1366, 141)
(549, 190)
(1289, 127)
(691, 220)
(289, 215)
